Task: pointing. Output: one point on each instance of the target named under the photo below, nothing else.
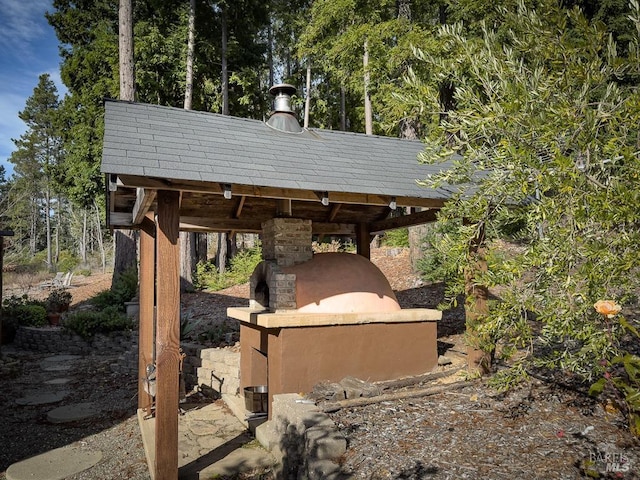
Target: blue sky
(28, 48)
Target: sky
(28, 48)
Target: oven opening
(262, 295)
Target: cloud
(21, 25)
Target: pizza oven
(323, 317)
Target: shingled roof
(155, 147)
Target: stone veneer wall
(287, 241)
(218, 369)
(58, 340)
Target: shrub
(241, 268)
(23, 311)
(123, 290)
(67, 261)
(398, 237)
(88, 323)
(58, 300)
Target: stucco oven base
(291, 352)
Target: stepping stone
(58, 381)
(61, 358)
(42, 398)
(73, 413)
(55, 368)
(54, 465)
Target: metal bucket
(256, 399)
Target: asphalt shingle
(176, 144)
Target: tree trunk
(479, 353)
(188, 258)
(125, 49)
(368, 115)
(103, 253)
(343, 108)
(221, 255)
(83, 239)
(270, 54)
(225, 71)
(47, 203)
(416, 244)
(188, 93)
(126, 251)
(307, 103)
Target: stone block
(325, 442)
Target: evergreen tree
(37, 155)
(546, 134)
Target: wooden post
(363, 240)
(167, 335)
(478, 360)
(147, 303)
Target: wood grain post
(363, 240)
(167, 335)
(147, 303)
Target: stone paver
(49, 367)
(43, 398)
(54, 465)
(73, 413)
(58, 381)
(61, 358)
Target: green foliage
(187, 326)
(396, 238)
(23, 311)
(58, 300)
(88, 323)
(241, 268)
(332, 246)
(67, 261)
(625, 385)
(123, 289)
(542, 147)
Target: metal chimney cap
(282, 88)
(283, 117)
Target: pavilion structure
(170, 170)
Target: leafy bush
(23, 311)
(398, 237)
(332, 246)
(241, 268)
(67, 261)
(123, 290)
(88, 323)
(58, 300)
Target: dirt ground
(547, 429)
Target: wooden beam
(425, 216)
(363, 240)
(276, 192)
(167, 336)
(146, 319)
(335, 208)
(144, 199)
(239, 207)
(199, 224)
(283, 208)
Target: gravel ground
(26, 432)
(542, 431)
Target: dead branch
(422, 392)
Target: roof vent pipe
(283, 117)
